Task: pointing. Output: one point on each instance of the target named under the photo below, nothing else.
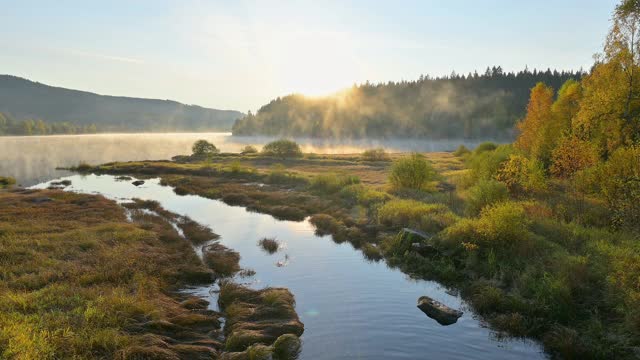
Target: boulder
(441, 313)
(138, 182)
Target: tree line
(11, 126)
(470, 106)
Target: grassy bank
(79, 280)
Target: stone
(441, 313)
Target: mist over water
(33, 159)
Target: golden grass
(79, 281)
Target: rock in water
(441, 313)
(138, 182)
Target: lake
(33, 159)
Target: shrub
(485, 192)
(203, 147)
(485, 146)
(378, 154)
(521, 174)
(249, 149)
(331, 183)
(415, 214)
(461, 151)
(572, 155)
(503, 224)
(620, 186)
(485, 165)
(412, 172)
(6, 181)
(282, 148)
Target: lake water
(33, 159)
(352, 308)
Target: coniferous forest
(486, 105)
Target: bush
(249, 149)
(499, 226)
(485, 192)
(503, 224)
(6, 181)
(414, 214)
(363, 195)
(331, 183)
(378, 154)
(521, 174)
(485, 146)
(572, 155)
(282, 148)
(485, 165)
(619, 183)
(461, 151)
(203, 147)
(412, 172)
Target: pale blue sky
(240, 54)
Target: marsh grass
(223, 261)
(377, 154)
(332, 183)
(272, 308)
(82, 282)
(271, 246)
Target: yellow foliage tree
(522, 174)
(538, 126)
(571, 155)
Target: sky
(241, 54)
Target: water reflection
(352, 308)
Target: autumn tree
(571, 155)
(566, 105)
(538, 126)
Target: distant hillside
(22, 99)
(472, 106)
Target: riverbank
(528, 265)
(82, 277)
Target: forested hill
(470, 106)
(22, 99)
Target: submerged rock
(441, 313)
(138, 182)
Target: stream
(352, 308)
